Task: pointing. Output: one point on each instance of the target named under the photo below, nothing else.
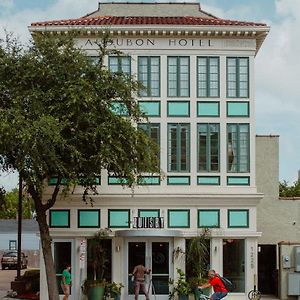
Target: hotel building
(199, 75)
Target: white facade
(232, 192)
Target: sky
(277, 62)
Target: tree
(9, 207)
(56, 120)
(289, 191)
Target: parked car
(10, 260)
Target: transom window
(237, 77)
(238, 148)
(120, 64)
(149, 75)
(178, 147)
(208, 77)
(178, 76)
(208, 147)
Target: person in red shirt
(217, 284)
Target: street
(6, 276)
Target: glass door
(155, 255)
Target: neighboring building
(199, 73)
(278, 219)
(30, 239)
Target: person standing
(66, 281)
(220, 290)
(139, 272)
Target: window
(238, 180)
(178, 180)
(12, 245)
(208, 147)
(59, 218)
(178, 147)
(88, 218)
(150, 108)
(118, 218)
(149, 75)
(238, 218)
(120, 64)
(208, 218)
(119, 108)
(148, 213)
(208, 77)
(237, 109)
(149, 180)
(238, 148)
(178, 76)
(178, 108)
(237, 77)
(208, 109)
(178, 218)
(112, 180)
(208, 180)
(152, 130)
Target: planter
(183, 297)
(116, 296)
(96, 293)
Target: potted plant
(114, 289)
(180, 287)
(197, 257)
(97, 261)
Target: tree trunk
(47, 253)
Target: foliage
(92, 283)
(9, 208)
(289, 191)
(197, 254)
(180, 286)
(56, 120)
(114, 288)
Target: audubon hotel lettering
(153, 42)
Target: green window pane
(119, 108)
(149, 180)
(208, 180)
(238, 109)
(238, 218)
(89, 218)
(208, 109)
(150, 108)
(149, 213)
(118, 218)
(59, 218)
(231, 180)
(209, 218)
(116, 180)
(178, 180)
(179, 218)
(178, 109)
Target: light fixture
(118, 248)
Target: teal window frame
(208, 77)
(175, 211)
(208, 211)
(149, 113)
(237, 115)
(207, 178)
(169, 108)
(149, 180)
(176, 149)
(113, 180)
(236, 78)
(79, 211)
(177, 77)
(157, 211)
(199, 103)
(121, 63)
(51, 217)
(230, 178)
(236, 211)
(209, 152)
(118, 210)
(148, 91)
(238, 148)
(186, 180)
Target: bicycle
(202, 296)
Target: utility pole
(19, 226)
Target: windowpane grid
(208, 147)
(121, 64)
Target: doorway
(267, 273)
(153, 254)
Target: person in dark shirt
(218, 286)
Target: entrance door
(155, 255)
